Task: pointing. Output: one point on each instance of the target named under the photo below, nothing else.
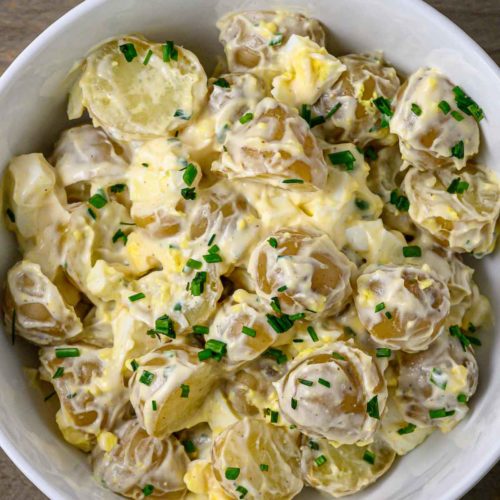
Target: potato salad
(251, 283)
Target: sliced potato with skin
(337, 392)
(316, 275)
(246, 445)
(402, 307)
(37, 307)
(431, 137)
(357, 119)
(273, 144)
(344, 470)
(92, 396)
(138, 460)
(464, 220)
(177, 381)
(131, 100)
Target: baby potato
(131, 100)
(274, 145)
(253, 40)
(429, 119)
(243, 329)
(138, 463)
(35, 309)
(91, 394)
(303, 271)
(350, 113)
(344, 470)
(402, 307)
(84, 155)
(337, 392)
(459, 209)
(169, 387)
(435, 385)
(240, 456)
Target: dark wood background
(22, 20)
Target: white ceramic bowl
(32, 103)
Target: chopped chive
(279, 356)
(137, 296)
(319, 461)
(467, 104)
(248, 331)
(276, 40)
(275, 305)
(308, 383)
(134, 364)
(333, 110)
(317, 120)
(458, 116)
(91, 213)
(242, 490)
(372, 408)
(274, 417)
(67, 352)
(388, 315)
(212, 258)
(232, 473)
(146, 378)
(379, 307)
(324, 382)
(273, 242)
(305, 112)
(98, 200)
(313, 445)
(214, 249)
(180, 113)
(462, 398)
(11, 215)
(188, 193)
(369, 456)
(264, 467)
(178, 307)
(441, 413)
(407, 429)
(283, 288)
(165, 325)
(222, 82)
(246, 118)
(170, 52)
(293, 181)
(298, 341)
(458, 150)
(437, 380)
(190, 174)
(145, 165)
(194, 264)
(383, 105)
(204, 354)
(201, 329)
(473, 340)
(117, 188)
(401, 202)
(198, 283)
(345, 158)
(129, 51)
(336, 355)
(293, 404)
(297, 316)
(59, 372)
(312, 333)
(370, 153)
(216, 346)
(154, 406)
(361, 204)
(471, 328)
(416, 109)
(211, 240)
(46, 398)
(184, 391)
(279, 324)
(120, 235)
(444, 107)
(456, 331)
(412, 251)
(148, 490)
(383, 352)
(189, 446)
(148, 57)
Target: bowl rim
(467, 481)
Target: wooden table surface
(22, 20)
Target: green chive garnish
(246, 118)
(383, 352)
(264, 467)
(416, 109)
(388, 315)
(184, 391)
(154, 406)
(383, 105)
(91, 213)
(273, 242)
(59, 372)
(211, 240)
(276, 40)
(170, 52)
(204, 354)
(279, 356)
(117, 188)
(456, 331)
(407, 429)
(379, 307)
(145, 165)
(248, 331)
(361, 204)
(369, 457)
(11, 216)
(412, 251)
(242, 490)
(324, 382)
(134, 364)
(190, 174)
(458, 186)
(312, 333)
(137, 296)
(67, 352)
(201, 329)
(370, 153)
(274, 417)
(458, 150)
(98, 200)
(188, 193)
(128, 50)
(146, 378)
(313, 445)
(434, 379)
(148, 57)
(120, 235)
(338, 356)
(444, 107)
(333, 110)
(283, 288)
(189, 446)
(293, 404)
(467, 105)
(458, 116)
(319, 461)
(148, 490)
(232, 473)
(462, 398)
(293, 181)
(222, 82)
(194, 264)
(212, 258)
(441, 413)
(308, 383)
(345, 158)
(180, 113)
(372, 408)
(198, 283)
(275, 305)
